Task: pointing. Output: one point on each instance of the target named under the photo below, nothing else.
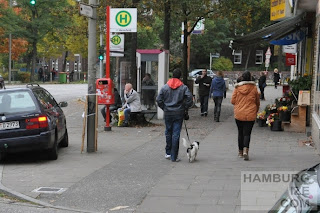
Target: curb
(23, 197)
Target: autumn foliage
(19, 46)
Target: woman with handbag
(262, 85)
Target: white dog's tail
(185, 143)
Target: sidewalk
(129, 170)
(213, 182)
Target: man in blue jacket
(174, 99)
(218, 91)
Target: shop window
(259, 56)
(237, 57)
(317, 85)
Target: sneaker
(167, 156)
(202, 114)
(177, 160)
(205, 114)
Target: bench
(138, 118)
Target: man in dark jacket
(117, 104)
(204, 82)
(174, 99)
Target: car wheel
(53, 152)
(65, 140)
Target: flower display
(271, 108)
(271, 118)
(283, 108)
(261, 115)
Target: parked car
(31, 120)
(197, 72)
(303, 193)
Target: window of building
(57, 65)
(259, 56)
(68, 66)
(237, 57)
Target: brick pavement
(213, 182)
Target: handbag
(264, 85)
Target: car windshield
(16, 101)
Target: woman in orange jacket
(246, 101)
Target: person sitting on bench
(117, 104)
(132, 103)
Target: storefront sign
(290, 59)
(279, 9)
(293, 38)
(290, 48)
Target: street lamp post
(10, 45)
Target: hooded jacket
(174, 97)
(218, 87)
(246, 101)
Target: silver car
(197, 72)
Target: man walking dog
(174, 99)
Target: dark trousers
(276, 84)
(217, 106)
(244, 133)
(173, 129)
(204, 103)
(262, 92)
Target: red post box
(104, 90)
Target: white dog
(192, 149)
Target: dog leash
(185, 126)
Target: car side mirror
(63, 104)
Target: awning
(272, 32)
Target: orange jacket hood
(174, 83)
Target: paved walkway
(129, 171)
(213, 182)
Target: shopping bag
(121, 117)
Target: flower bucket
(276, 125)
(262, 122)
(285, 115)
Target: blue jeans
(204, 103)
(173, 129)
(127, 115)
(217, 105)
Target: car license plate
(9, 125)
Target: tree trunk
(248, 57)
(34, 58)
(65, 62)
(185, 53)
(167, 23)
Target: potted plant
(271, 108)
(284, 113)
(274, 122)
(261, 118)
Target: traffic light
(101, 53)
(33, 2)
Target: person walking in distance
(245, 99)
(276, 77)
(174, 99)
(262, 84)
(204, 82)
(218, 91)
